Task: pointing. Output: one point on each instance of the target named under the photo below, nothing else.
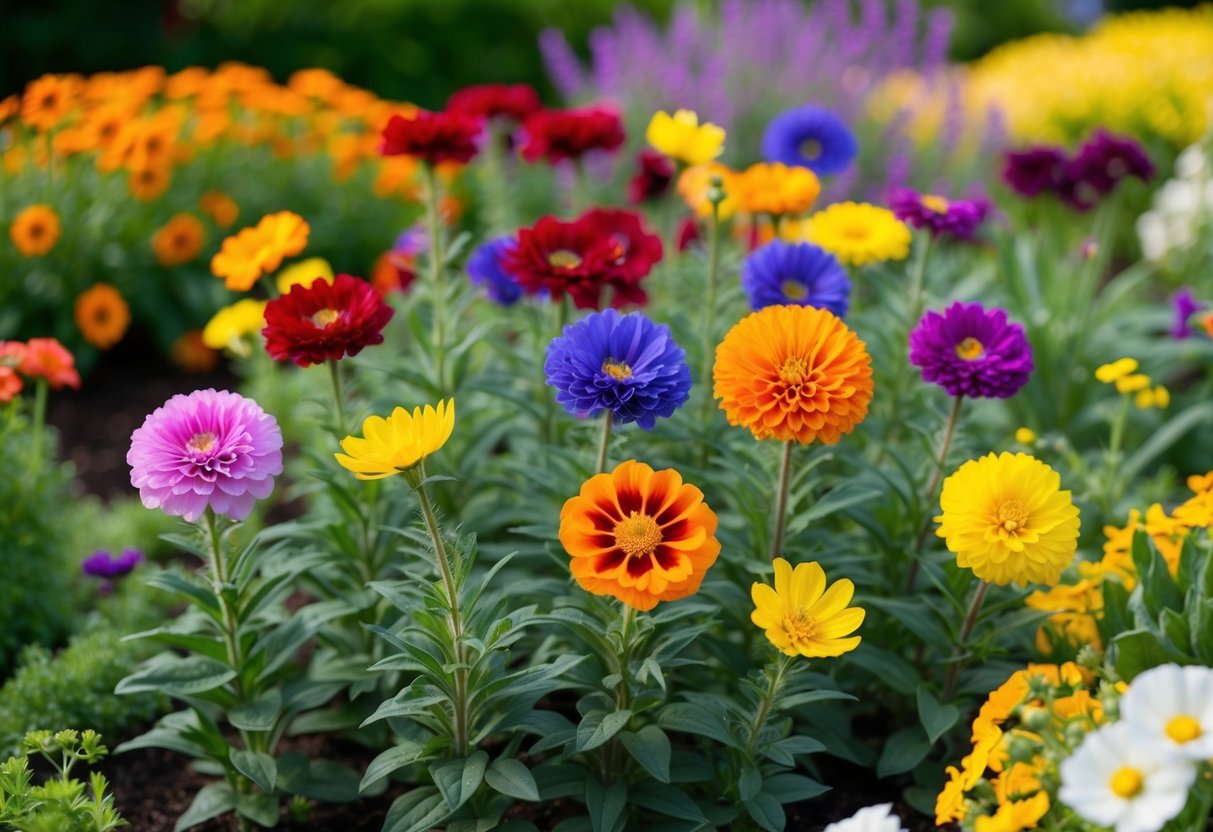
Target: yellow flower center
(794, 290)
(1012, 515)
(202, 443)
(618, 370)
(324, 317)
(799, 625)
(1126, 782)
(855, 232)
(810, 149)
(1183, 729)
(935, 203)
(638, 535)
(793, 370)
(970, 349)
(564, 259)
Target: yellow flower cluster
(1123, 373)
(1024, 730)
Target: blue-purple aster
(485, 270)
(810, 137)
(958, 218)
(1185, 305)
(626, 364)
(804, 274)
(972, 351)
(102, 564)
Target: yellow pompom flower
(682, 137)
(1025, 436)
(1159, 397)
(1006, 518)
(804, 617)
(227, 328)
(1116, 370)
(1132, 383)
(304, 273)
(858, 233)
(394, 445)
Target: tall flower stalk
(433, 220)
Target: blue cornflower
(811, 137)
(803, 274)
(622, 363)
(484, 269)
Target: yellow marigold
(219, 207)
(35, 230)
(254, 251)
(776, 189)
(1197, 512)
(1025, 436)
(682, 137)
(227, 328)
(858, 233)
(639, 535)
(102, 315)
(694, 182)
(304, 273)
(951, 804)
(1080, 703)
(1159, 397)
(147, 184)
(191, 354)
(1076, 609)
(1132, 383)
(1006, 518)
(1201, 482)
(1116, 370)
(394, 445)
(793, 373)
(1020, 780)
(1168, 534)
(802, 615)
(48, 100)
(1015, 815)
(179, 241)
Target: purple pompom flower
(972, 351)
(1185, 305)
(102, 564)
(1035, 170)
(210, 449)
(795, 273)
(485, 270)
(958, 218)
(622, 363)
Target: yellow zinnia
(801, 616)
(1006, 518)
(304, 273)
(228, 327)
(395, 444)
(858, 233)
(682, 137)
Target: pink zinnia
(210, 449)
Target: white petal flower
(1171, 707)
(1191, 163)
(1152, 229)
(878, 818)
(1179, 198)
(1110, 781)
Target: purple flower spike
(101, 564)
(210, 449)
(1185, 305)
(958, 218)
(972, 351)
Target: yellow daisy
(227, 328)
(858, 233)
(804, 617)
(394, 445)
(682, 137)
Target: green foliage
(61, 804)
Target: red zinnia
(432, 137)
(652, 179)
(513, 101)
(570, 134)
(634, 251)
(312, 324)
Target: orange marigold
(48, 100)
(149, 183)
(102, 315)
(35, 230)
(774, 188)
(793, 372)
(639, 535)
(254, 251)
(219, 207)
(179, 241)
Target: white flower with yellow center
(1171, 707)
(1111, 780)
(878, 818)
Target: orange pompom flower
(247, 255)
(102, 315)
(639, 535)
(793, 373)
(179, 241)
(219, 207)
(35, 230)
(46, 358)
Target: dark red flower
(652, 179)
(513, 101)
(556, 135)
(433, 137)
(1035, 170)
(688, 234)
(1100, 164)
(634, 251)
(311, 324)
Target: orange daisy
(639, 535)
(48, 100)
(147, 184)
(35, 230)
(793, 372)
(102, 316)
(179, 241)
(219, 207)
(254, 251)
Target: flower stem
(774, 683)
(919, 280)
(613, 756)
(39, 428)
(709, 312)
(605, 442)
(781, 497)
(962, 639)
(456, 620)
(434, 220)
(929, 496)
(335, 375)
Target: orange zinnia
(254, 251)
(639, 535)
(48, 100)
(774, 188)
(793, 372)
(48, 359)
(147, 184)
(179, 241)
(102, 316)
(35, 230)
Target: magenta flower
(210, 449)
(101, 564)
(972, 351)
(957, 217)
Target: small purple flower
(412, 240)
(622, 363)
(811, 137)
(485, 269)
(1185, 305)
(958, 218)
(1035, 170)
(210, 449)
(972, 351)
(1105, 159)
(795, 273)
(101, 564)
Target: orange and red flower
(48, 359)
(433, 137)
(640, 535)
(312, 324)
(556, 135)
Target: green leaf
(405, 703)
(767, 813)
(1139, 650)
(936, 718)
(256, 766)
(695, 719)
(177, 583)
(1167, 435)
(595, 729)
(792, 788)
(749, 782)
(262, 809)
(211, 801)
(669, 800)
(397, 757)
(904, 750)
(650, 747)
(512, 779)
(607, 807)
(257, 716)
(459, 779)
(178, 677)
(417, 810)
